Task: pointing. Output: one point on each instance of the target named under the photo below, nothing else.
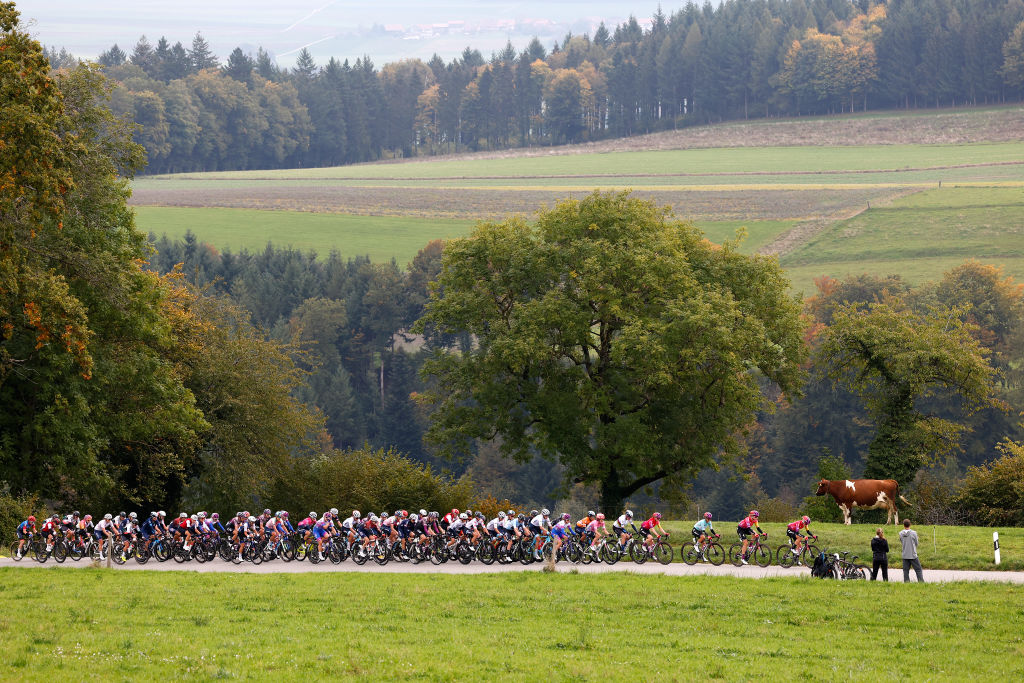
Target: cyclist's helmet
(122, 514)
(521, 517)
(455, 511)
(153, 514)
(807, 520)
(355, 514)
(481, 515)
(657, 515)
(133, 516)
(707, 515)
(463, 516)
(55, 517)
(75, 514)
(162, 513)
(215, 515)
(202, 515)
(327, 515)
(32, 518)
(252, 519)
(414, 518)
(195, 518)
(590, 513)
(312, 515)
(600, 516)
(284, 513)
(533, 513)
(374, 518)
(629, 514)
(754, 513)
(405, 513)
(108, 516)
(501, 514)
(565, 516)
(511, 513)
(183, 515)
(87, 518)
(545, 512)
(334, 511)
(423, 513)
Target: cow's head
(822, 488)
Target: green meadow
(105, 624)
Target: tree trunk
(611, 494)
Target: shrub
(490, 506)
(994, 492)
(824, 508)
(371, 481)
(775, 510)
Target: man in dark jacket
(879, 555)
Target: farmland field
(811, 191)
(108, 624)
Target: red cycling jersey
(797, 525)
(650, 524)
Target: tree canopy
(610, 336)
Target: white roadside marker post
(995, 544)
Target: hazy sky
(386, 29)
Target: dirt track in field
(675, 569)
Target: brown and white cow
(869, 494)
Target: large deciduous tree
(896, 359)
(609, 336)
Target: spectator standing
(908, 537)
(879, 555)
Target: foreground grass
(379, 237)
(60, 624)
(941, 547)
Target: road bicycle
(659, 551)
(787, 556)
(760, 553)
(707, 550)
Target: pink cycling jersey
(748, 523)
(797, 525)
(594, 526)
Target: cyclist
(69, 525)
(540, 525)
(447, 520)
(103, 531)
(215, 525)
(456, 528)
(619, 527)
(150, 528)
(702, 531)
(351, 526)
(49, 530)
(652, 530)
(559, 532)
(746, 528)
(496, 526)
(581, 525)
(596, 530)
(25, 531)
(795, 537)
(246, 532)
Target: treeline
(350, 316)
(743, 58)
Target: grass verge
(521, 626)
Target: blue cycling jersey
(703, 525)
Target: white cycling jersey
(494, 524)
(105, 525)
(388, 521)
(623, 520)
(509, 524)
(349, 523)
(539, 521)
(456, 525)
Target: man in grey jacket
(908, 537)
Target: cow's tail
(905, 501)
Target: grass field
(379, 237)
(818, 176)
(800, 162)
(941, 547)
(106, 625)
(919, 236)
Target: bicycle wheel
(664, 553)
(39, 552)
(610, 553)
(715, 554)
(14, 552)
(762, 555)
(689, 554)
(785, 557)
(117, 553)
(60, 551)
(736, 554)
(142, 553)
(637, 552)
(574, 553)
(809, 554)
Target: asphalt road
(675, 569)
